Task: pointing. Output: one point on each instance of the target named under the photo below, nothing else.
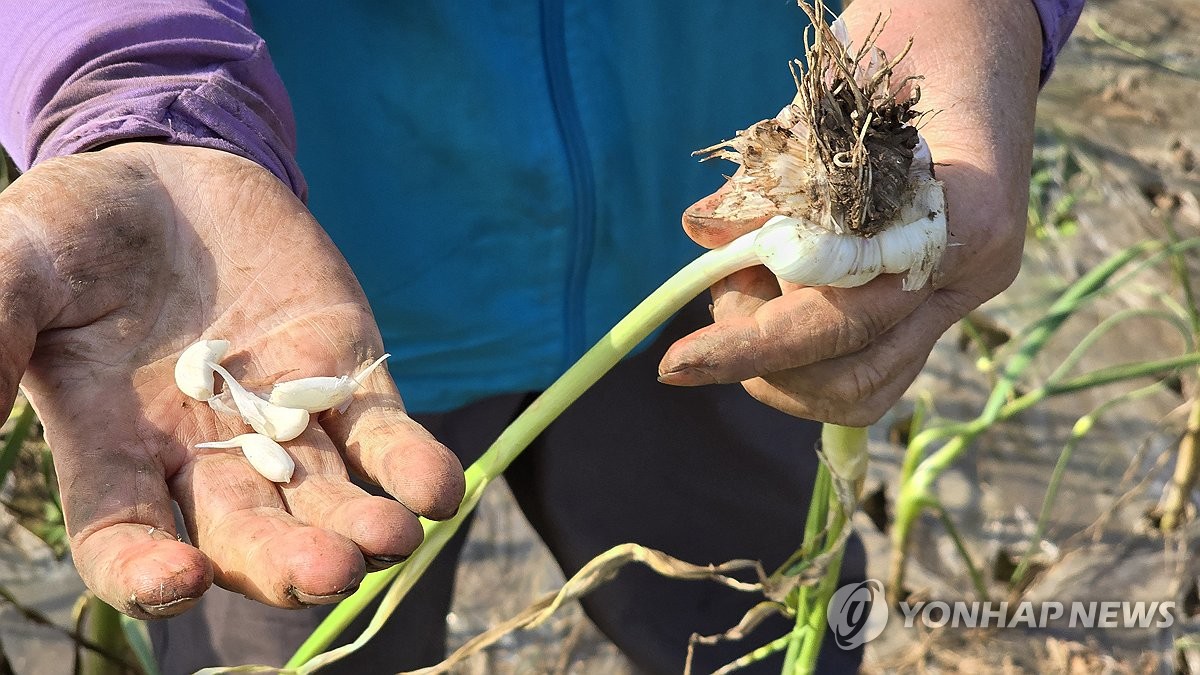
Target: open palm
(110, 264)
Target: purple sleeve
(1058, 19)
(77, 74)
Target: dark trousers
(704, 474)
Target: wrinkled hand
(846, 355)
(110, 264)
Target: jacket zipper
(579, 164)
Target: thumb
(708, 226)
(26, 304)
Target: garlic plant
(280, 419)
(847, 184)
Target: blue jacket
(506, 178)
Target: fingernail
(164, 609)
(382, 562)
(686, 376)
(310, 599)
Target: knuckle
(854, 333)
(857, 385)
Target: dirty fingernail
(165, 609)
(311, 599)
(686, 376)
(382, 562)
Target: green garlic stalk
(847, 184)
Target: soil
(1119, 129)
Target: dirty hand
(111, 263)
(846, 355)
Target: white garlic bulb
(842, 172)
(802, 252)
(265, 455)
(192, 374)
(316, 394)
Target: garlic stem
(845, 448)
(268, 419)
(266, 456)
(366, 372)
(687, 283)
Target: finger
(118, 511)
(856, 390)
(383, 444)
(710, 229)
(793, 330)
(124, 542)
(743, 292)
(321, 494)
(257, 548)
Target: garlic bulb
(192, 374)
(842, 172)
(265, 455)
(801, 252)
(316, 394)
(273, 421)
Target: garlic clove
(316, 394)
(927, 229)
(192, 374)
(266, 456)
(273, 421)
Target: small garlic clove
(192, 374)
(283, 424)
(266, 456)
(316, 394)
(273, 421)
